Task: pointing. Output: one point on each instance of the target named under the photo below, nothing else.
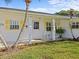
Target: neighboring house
(11, 21)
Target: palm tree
(26, 13)
(71, 15)
(2, 39)
(27, 4)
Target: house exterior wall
(64, 23)
(75, 31)
(10, 36)
(6, 15)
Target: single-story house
(40, 24)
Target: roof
(24, 10)
(36, 12)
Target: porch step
(37, 41)
(32, 41)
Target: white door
(48, 31)
(37, 30)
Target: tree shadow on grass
(46, 57)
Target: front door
(48, 32)
(37, 29)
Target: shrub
(60, 31)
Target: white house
(38, 25)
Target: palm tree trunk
(71, 31)
(4, 43)
(26, 13)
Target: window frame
(14, 25)
(48, 26)
(36, 25)
(75, 25)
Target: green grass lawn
(49, 50)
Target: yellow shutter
(7, 24)
(21, 23)
(44, 23)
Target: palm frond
(8, 1)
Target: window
(48, 26)
(75, 25)
(14, 24)
(36, 25)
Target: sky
(47, 6)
